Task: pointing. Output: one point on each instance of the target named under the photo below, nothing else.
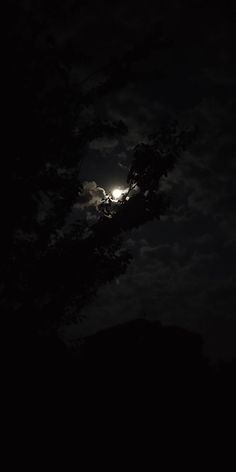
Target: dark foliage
(140, 367)
(49, 274)
(144, 199)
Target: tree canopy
(49, 274)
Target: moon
(116, 193)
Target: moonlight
(116, 193)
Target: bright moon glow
(116, 193)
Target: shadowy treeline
(138, 361)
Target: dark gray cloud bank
(183, 268)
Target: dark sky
(183, 270)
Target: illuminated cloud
(91, 196)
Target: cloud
(123, 161)
(177, 284)
(91, 196)
(183, 271)
(102, 144)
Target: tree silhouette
(47, 274)
(144, 198)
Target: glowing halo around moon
(116, 193)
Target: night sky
(182, 270)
